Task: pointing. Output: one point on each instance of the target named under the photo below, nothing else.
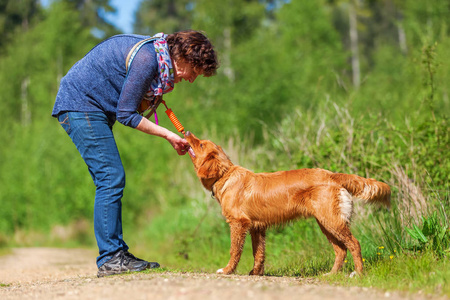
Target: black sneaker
(122, 262)
(152, 265)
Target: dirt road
(48, 273)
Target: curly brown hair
(195, 48)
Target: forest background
(351, 86)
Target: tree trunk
(402, 37)
(25, 116)
(228, 71)
(354, 46)
(59, 67)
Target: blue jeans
(91, 132)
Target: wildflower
(391, 257)
(345, 261)
(378, 253)
(381, 247)
(364, 259)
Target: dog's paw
(353, 274)
(256, 273)
(224, 271)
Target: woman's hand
(178, 143)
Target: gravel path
(49, 273)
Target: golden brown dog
(254, 201)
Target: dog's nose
(188, 133)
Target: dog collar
(213, 195)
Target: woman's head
(193, 49)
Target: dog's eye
(201, 146)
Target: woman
(100, 89)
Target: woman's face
(184, 70)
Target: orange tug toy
(173, 119)
(177, 125)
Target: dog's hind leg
(259, 248)
(344, 236)
(337, 222)
(238, 231)
(355, 249)
(339, 249)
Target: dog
(251, 202)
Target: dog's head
(210, 161)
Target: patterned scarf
(164, 83)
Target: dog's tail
(365, 188)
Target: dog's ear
(210, 166)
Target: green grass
(416, 272)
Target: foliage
(162, 15)
(91, 14)
(15, 17)
(25, 112)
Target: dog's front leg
(238, 231)
(259, 248)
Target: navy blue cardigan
(98, 82)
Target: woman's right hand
(178, 143)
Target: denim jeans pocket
(64, 121)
